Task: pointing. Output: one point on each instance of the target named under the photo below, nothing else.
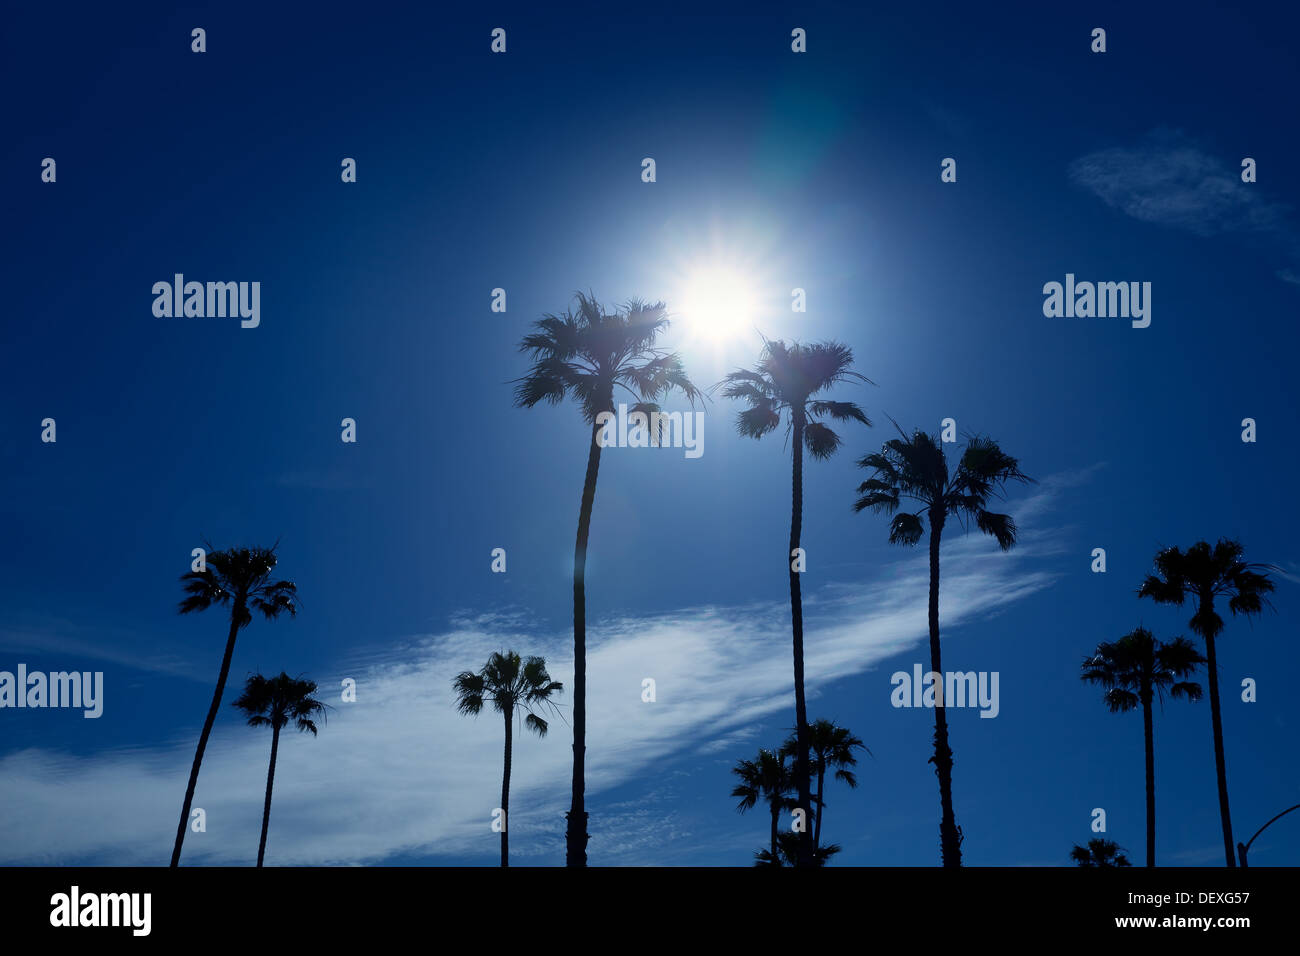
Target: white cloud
(1170, 181)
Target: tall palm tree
(274, 703)
(588, 354)
(512, 685)
(1204, 574)
(241, 579)
(1134, 670)
(784, 386)
(915, 469)
(1100, 852)
(768, 779)
(830, 747)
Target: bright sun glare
(719, 303)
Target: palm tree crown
(767, 778)
(278, 701)
(916, 469)
(1100, 852)
(589, 353)
(1206, 573)
(1138, 668)
(783, 385)
(508, 683)
(244, 576)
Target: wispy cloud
(1169, 180)
(400, 772)
(78, 643)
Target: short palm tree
(275, 703)
(784, 387)
(240, 578)
(1100, 852)
(787, 844)
(589, 354)
(1133, 671)
(767, 779)
(830, 747)
(512, 685)
(1206, 573)
(915, 469)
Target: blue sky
(522, 171)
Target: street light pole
(1244, 848)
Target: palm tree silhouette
(769, 779)
(1204, 573)
(787, 845)
(510, 684)
(916, 469)
(830, 746)
(1100, 852)
(274, 703)
(1134, 670)
(784, 383)
(240, 578)
(588, 354)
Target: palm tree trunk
(505, 795)
(1151, 778)
(949, 835)
(776, 813)
(1219, 766)
(235, 614)
(270, 781)
(576, 836)
(801, 774)
(817, 834)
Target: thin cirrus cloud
(400, 774)
(1169, 180)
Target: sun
(719, 302)
(720, 281)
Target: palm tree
(1134, 670)
(512, 685)
(784, 385)
(916, 469)
(1100, 852)
(1204, 573)
(767, 778)
(588, 354)
(240, 578)
(787, 844)
(275, 703)
(830, 746)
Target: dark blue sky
(522, 171)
